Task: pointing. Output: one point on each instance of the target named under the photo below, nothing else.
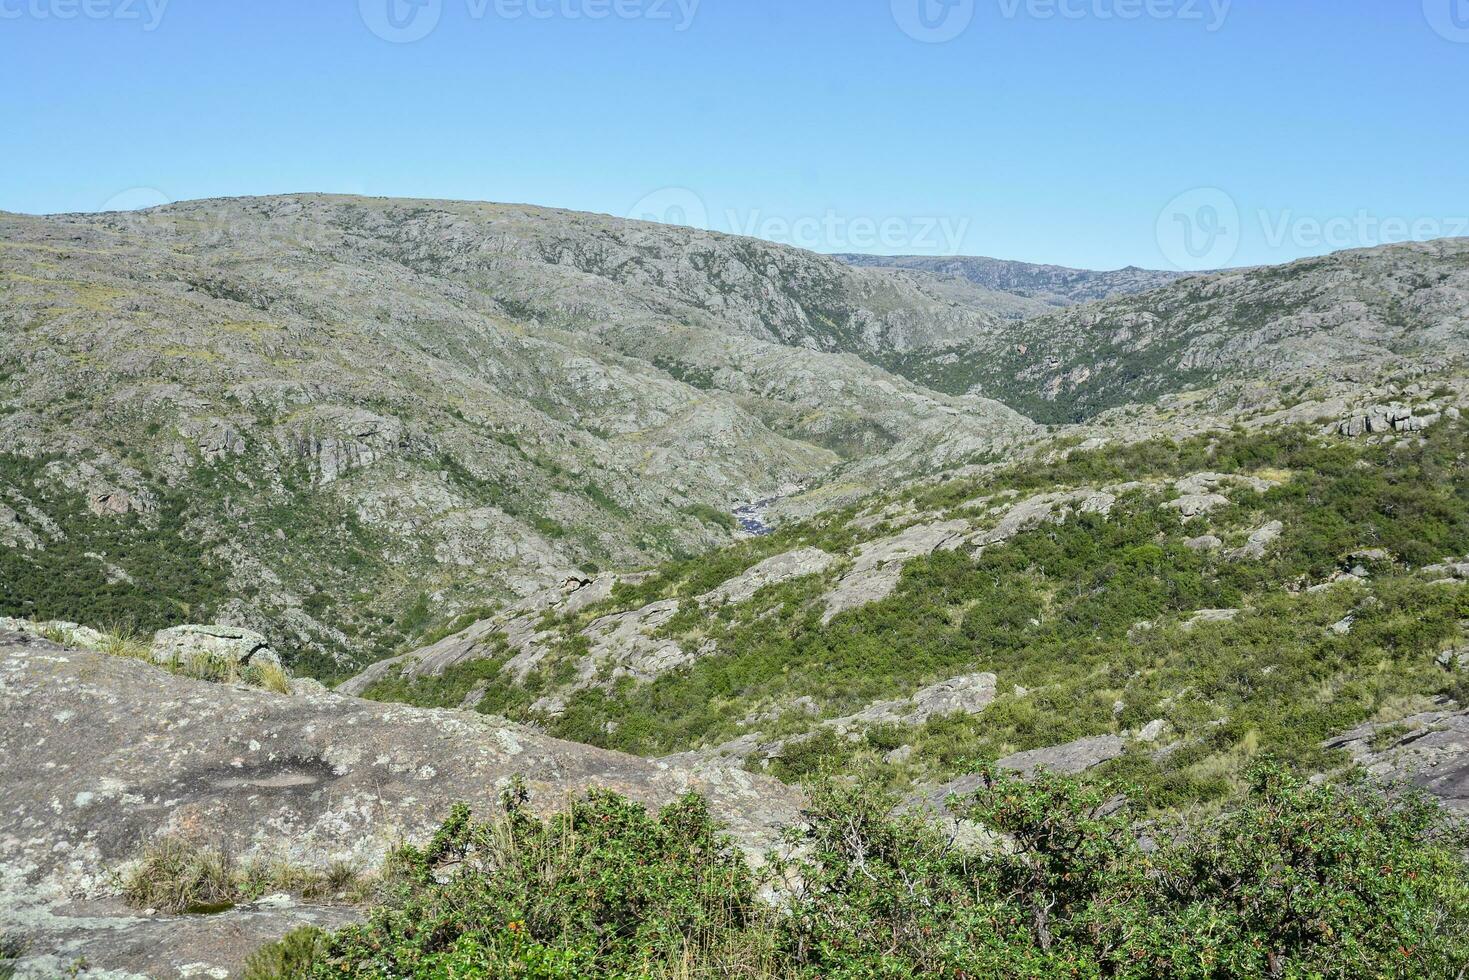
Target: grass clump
(177, 875)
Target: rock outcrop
(230, 643)
(101, 754)
(969, 694)
(1429, 750)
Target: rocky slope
(1351, 316)
(1049, 613)
(327, 418)
(100, 755)
(1045, 287)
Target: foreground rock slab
(99, 755)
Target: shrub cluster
(1290, 880)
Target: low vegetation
(122, 641)
(1087, 624)
(1289, 880)
(177, 875)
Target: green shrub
(1289, 880)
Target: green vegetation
(12, 947)
(1289, 880)
(177, 875)
(170, 578)
(1085, 623)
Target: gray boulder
(1069, 759)
(970, 694)
(1259, 541)
(230, 643)
(1197, 504)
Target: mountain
(1351, 316)
(333, 419)
(1045, 286)
(1101, 573)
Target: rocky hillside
(348, 423)
(336, 420)
(1160, 611)
(1045, 287)
(1350, 316)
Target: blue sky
(1096, 133)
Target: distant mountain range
(1047, 285)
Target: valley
(322, 515)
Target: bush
(604, 889)
(1290, 880)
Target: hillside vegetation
(1348, 316)
(1290, 881)
(1092, 626)
(344, 410)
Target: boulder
(771, 571)
(970, 694)
(1204, 616)
(1155, 731)
(1429, 750)
(1259, 540)
(879, 564)
(1069, 759)
(1455, 659)
(230, 643)
(1197, 504)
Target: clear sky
(1096, 133)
